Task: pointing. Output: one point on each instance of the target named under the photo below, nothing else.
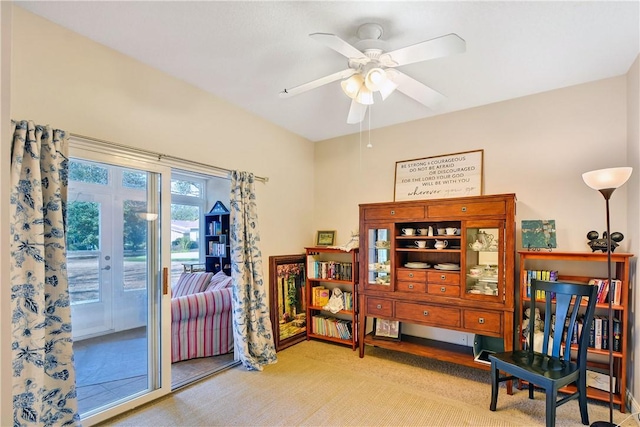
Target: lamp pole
(606, 181)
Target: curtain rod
(159, 156)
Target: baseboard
(634, 407)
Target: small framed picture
(325, 237)
(386, 329)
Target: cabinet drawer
(392, 212)
(466, 209)
(444, 290)
(483, 321)
(428, 314)
(439, 277)
(420, 287)
(379, 307)
(412, 275)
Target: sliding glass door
(119, 305)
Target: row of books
(604, 289)
(320, 297)
(332, 270)
(548, 275)
(216, 249)
(599, 333)
(331, 327)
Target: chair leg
(582, 399)
(552, 397)
(494, 387)
(530, 390)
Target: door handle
(108, 267)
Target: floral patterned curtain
(44, 390)
(252, 331)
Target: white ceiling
(247, 52)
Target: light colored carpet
(320, 384)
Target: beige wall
(633, 190)
(72, 83)
(537, 147)
(6, 405)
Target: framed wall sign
(439, 177)
(287, 299)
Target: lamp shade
(389, 85)
(603, 179)
(352, 85)
(375, 78)
(365, 96)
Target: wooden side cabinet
(566, 264)
(446, 263)
(332, 272)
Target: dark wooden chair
(551, 369)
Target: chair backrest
(564, 302)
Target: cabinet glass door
(378, 258)
(484, 261)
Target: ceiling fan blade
(430, 49)
(317, 83)
(357, 112)
(418, 91)
(336, 43)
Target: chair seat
(537, 364)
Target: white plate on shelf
(414, 265)
(417, 265)
(451, 267)
(438, 267)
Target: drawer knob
(379, 306)
(442, 277)
(411, 286)
(443, 289)
(393, 212)
(426, 312)
(410, 274)
(481, 320)
(464, 209)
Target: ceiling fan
(371, 69)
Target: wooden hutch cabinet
(408, 275)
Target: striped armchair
(201, 324)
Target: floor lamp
(606, 181)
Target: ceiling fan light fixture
(365, 96)
(352, 85)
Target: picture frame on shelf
(386, 329)
(287, 299)
(325, 237)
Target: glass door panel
(114, 267)
(379, 257)
(484, 269)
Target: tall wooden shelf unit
(598, 358)
(216, 239)
(332, 268)
(432, 296)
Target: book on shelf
(598, 332)
(320, 296)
